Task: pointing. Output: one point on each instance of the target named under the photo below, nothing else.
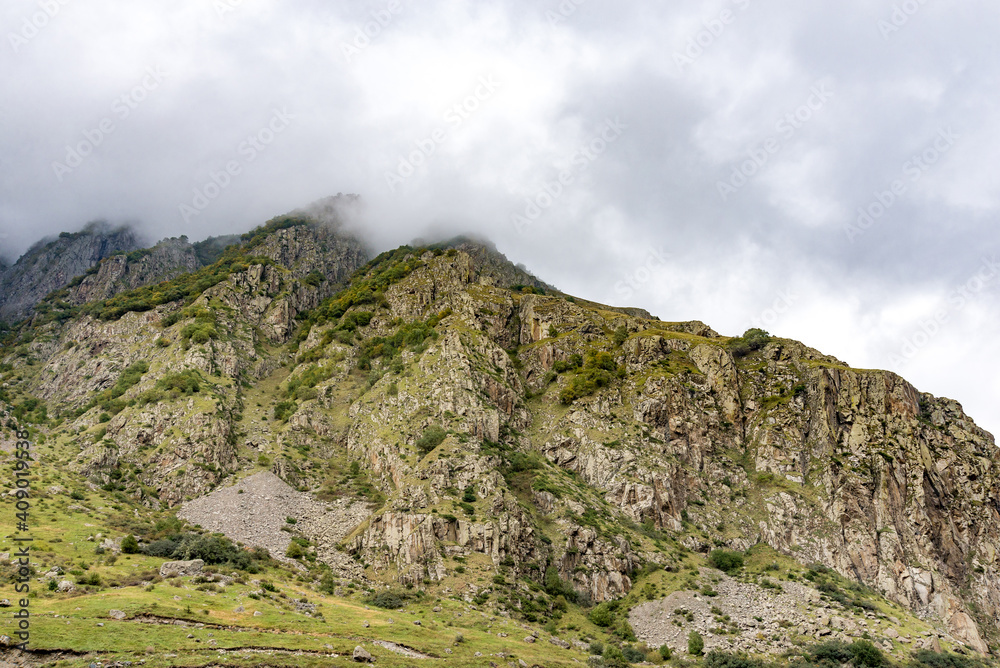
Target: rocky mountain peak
(52, 263)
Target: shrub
(719, 659)
(696, 644)
(388, 600)
(665, 652)
(213, 550)
(614, 658)
(285, 410)
(432, 437)
(866, 654)
(327, 584)
(931, 659)
(595, 374)
(93, 580)
(832, 652)
(633, 654)
(574, 362)
(596, 648)
(315, 278)
(175, 385)
(295, 551)
(726, 561)
(130, 545)
(753, 339)
(162, 548)
(621, 333)
(603, 615)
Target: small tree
(621, 333)
(666, 652)
(867, 654)
(130, 545)
(614, 658)
(696, 644)
(603, 615)
(431, 438)
(727, 561)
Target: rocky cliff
(51, 265)
(507, 431)
(127, 271)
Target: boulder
(172, 568)
(116, 614)
(361, 655)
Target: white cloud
(655, 187)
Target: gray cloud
(259, 108)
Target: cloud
(484, 110)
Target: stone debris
(254, 511)
(179, 568)
(399, 649)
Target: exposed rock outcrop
(50, 265)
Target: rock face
(51, 265)
(416, 417)
(127, 271)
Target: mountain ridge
(486, 422)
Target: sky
(823, 170)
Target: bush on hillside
(726, 561)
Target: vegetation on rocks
(424, 465)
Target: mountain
(434, 429)
(50, 265)
(121, 272)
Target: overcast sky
(704, 161)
